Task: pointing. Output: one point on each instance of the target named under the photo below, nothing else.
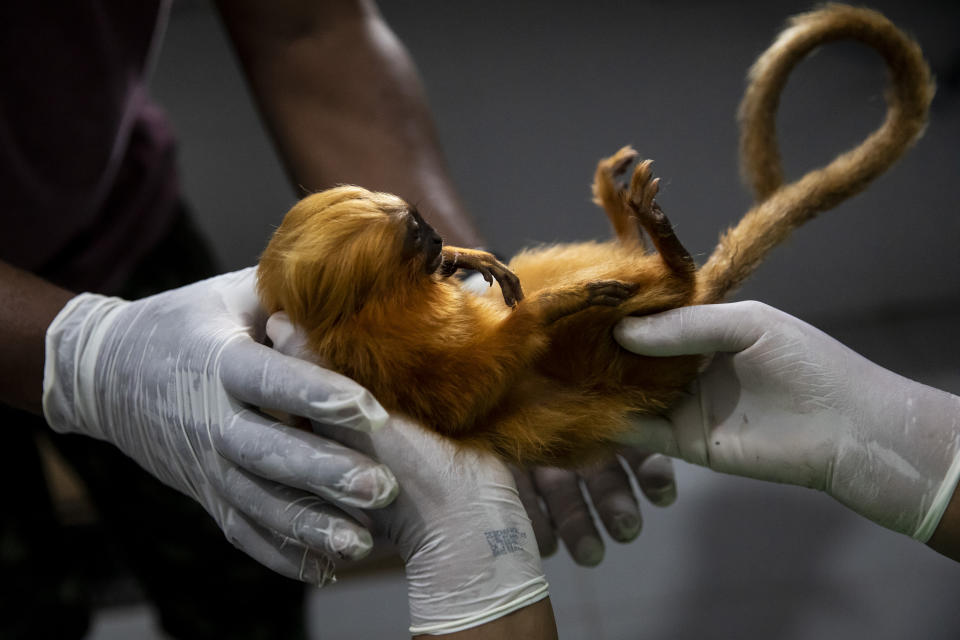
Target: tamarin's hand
(782, 401)
(174, 381)
(487, 265)
(470, 552)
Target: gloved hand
(783, 401)
(564, 511)
(174, 380)
(469, 549)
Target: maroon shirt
(87, 177)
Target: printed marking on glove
(504, 541)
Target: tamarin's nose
(436, 240)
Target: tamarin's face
(339, 248)
(421, 241)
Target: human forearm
(344, 103)
(534, 622)
(28, 305)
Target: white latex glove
(783, 401)
(470, 553)
(557, 501)
(173, 381)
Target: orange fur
(544, 382)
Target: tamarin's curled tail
(540, 379)
(781, 209)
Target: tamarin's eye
(413, 239)
(415, 233)
(416, 225)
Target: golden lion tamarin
(541, 379)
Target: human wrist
(901, 464)
(459, 615)
(71, 345)
(946, 537)
(936, 434)
(533, 622)
(480, 564)
(28, 304)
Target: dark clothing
(88, 183)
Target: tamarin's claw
(509, 284)
(643, 189)
(488, 266)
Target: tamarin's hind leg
(649, 215)
(633, 210)
(609, 194)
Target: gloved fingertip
(658, 480)
(364, 544)
(624, 527)
(358, 411)
(369, 487)
(662, 497)
(317, 569)
(373, 411)
(627, 329)
(588, 551)
(655, 335)
(385, 486)
(350, 543)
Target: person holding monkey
(173, 379)
(91, 203)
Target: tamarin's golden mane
(540, 379)
(321, 267)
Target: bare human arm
(535, 621)
(28, 305)
(344, 102)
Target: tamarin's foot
(643, 190)
(609, 193)
(489, 267)
(555, 304)
(617, 164)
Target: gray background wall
(527, 97)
